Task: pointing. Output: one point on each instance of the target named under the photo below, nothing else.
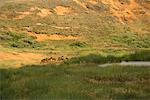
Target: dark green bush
(98, 59)
(138, 56)
(79, 44)
(93, 58)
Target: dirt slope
(123, 10)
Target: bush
(24, 42)
(79, 44)
(98, 59)
(138, 56)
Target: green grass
(18, 40)
(98, 59)
(130, 39)
(86, 82)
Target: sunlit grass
(75, 82)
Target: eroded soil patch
(22, 15)
(20, 58)
(61, 10)
(43, 37)
(124, 10)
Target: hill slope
(124, 10)
(73, 27)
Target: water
(131, 63)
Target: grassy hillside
(59, 45)
(73, 28)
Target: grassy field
(79, 82)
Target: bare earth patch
(43, 37)
(61, 10)
(22, 15)
(44, 12)
(3, 16)
(16, 59)
(122, 11)
(63, 28)
(93, 1)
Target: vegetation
(75, 82)
(98, 59)
(78, 44)
(133, 40)
(104, 35)
(18, 40)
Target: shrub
(98, 59)
(93, 58)
(138, 56)
(79, 44)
